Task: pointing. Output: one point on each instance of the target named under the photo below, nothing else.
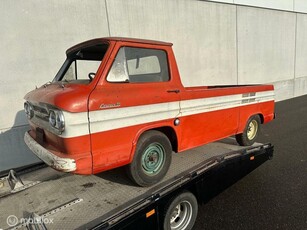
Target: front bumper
(58, 163)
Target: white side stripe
(76, 124)
(104, 120)
(108, 119)
(202, 105)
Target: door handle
(173, 91)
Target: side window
(144, 65)
(139, 65)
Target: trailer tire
(250, 132)
(181, 212)
(152, 158)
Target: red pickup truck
(120, 101)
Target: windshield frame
(92, 52)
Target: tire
(181, 213)
(152, 159)
(251, 131)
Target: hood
(65, 96)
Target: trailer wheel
(152, 158)
(181, 213)
(250, 133)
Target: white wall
(214, 43)
(288, 5)
(33, 40)
(300, 6)
(203, 33)
(266, 45)
(275, 4)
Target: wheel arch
(167, 130)
(171, 198)
(261, 117)
(171, 135)
(243, 124)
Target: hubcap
(252, 129)
(153, 158)
(181, 216)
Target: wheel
(250, 133)
(152, 158)
(181, 212)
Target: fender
(168, 124)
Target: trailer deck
(76, 201)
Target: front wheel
(250, 133)
(152, 158)
(181, 213)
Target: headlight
(52, 118)
(29, 110)
(56, 119)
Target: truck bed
(74, 201)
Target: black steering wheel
(91, 76)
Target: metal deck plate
(99, 194)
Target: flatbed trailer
(42, 198)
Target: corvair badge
(106, 106)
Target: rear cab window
(139, 65)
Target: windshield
(81, 65)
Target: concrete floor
(274, 196)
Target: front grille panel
(41, 112)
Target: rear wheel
(152, 158)
(250, 133)
(181, 213)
